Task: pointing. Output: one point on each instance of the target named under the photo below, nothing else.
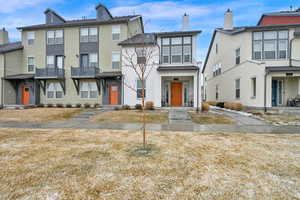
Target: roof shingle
(4, 48)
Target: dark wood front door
(176, 94)
(113, 94)
(25, 95)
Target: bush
(50, 105)
(149, 105)
(220, 104)
(234, 106)
(69, 105)
(212, 103)
(96, 105)
(205, 107)
(78, 105)
(138, 106)
(40, 105)
(59, 105)
(116, 108)
(87, 105)
(126, 107)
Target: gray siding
(55, 50)
(88, 47)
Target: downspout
(198, 73)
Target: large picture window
(55, 37)
(54, 91)
(88, 34)
(176, 50)
(270, 45)
(88, 90)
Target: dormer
(103, 13)
(53, 18)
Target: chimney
(3, 36)
(185, 22)
(228, 20)
(103, 13)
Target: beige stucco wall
(14, 62)
(227, 44)
(1, 76)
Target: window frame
(33, 64)
(55, 38)
(30, 41)
(89, 91)
(254, 87)
(140, 89)
(238, 56)
(112, 60)
(277, 40)
(170, 45)
(89, 36)
(237, 89)
(55, 91)
(114, 27)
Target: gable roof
(5, 48)
(142, 38)
(103, 6)
(281, 14)
(81, 22)
(55, 13)
(241, 29)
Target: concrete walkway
(179, 116)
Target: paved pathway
(179, 116)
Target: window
(55, 37)
(217, 69)
(93, 60)
(116, 31)
(237, 56)
(139, 89)
(30, 64)
(116, 60)
(253, 82)
(141, 55)
(217, 48)
(217, 92)
(270, 45)
(88, 90)
(89, 34)
(84, 60)
(30, 38)
(176, 50)
(50, 61)
(55, 62)
(237, 88)
(54, 91)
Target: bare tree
(141, 59)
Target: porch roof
(282, 69)
(109, 74)
(183, 68)
(19, 77)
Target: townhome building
(67, 61)
(172, 70)
(258, 66)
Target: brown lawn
(208, 118)
(280, 118)
(99, 164)
(38, 114)
(132, 116)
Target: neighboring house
(174, 79)
(257, 66)
(67, 61)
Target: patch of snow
(232, 111)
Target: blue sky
(159, 15)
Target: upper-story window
(270, 45)
(89, 60)
(30, 38)
(89, 34)
(55, 62)
(217, 69)
(141, 55)
(176, 50)
(116, 32)
(237, 56)
(55, 37)
(30, 64)
(217, 48)
(115, 60)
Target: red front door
(25, 95)
(176, 94)
(113, 94)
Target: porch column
(299, 85)
(197, 91)
(269, 91)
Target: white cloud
(9, 6)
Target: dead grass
(131, 116)
(93, 164)
(38, 114)
(280, 118)
(208, 118)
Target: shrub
(78, 105)
(87, 105)
(116, 108)
(59, 105)
(205, 107)
(234, 106)
(50, 105)
(220, 104)
(212, 103)
(40, 105)
(149, 105)
(69, 105)
(138, 106)
(126, 107)
(96, 105)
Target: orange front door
(113, 94)
(176, 94)
(25, 95)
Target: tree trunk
(144, 116)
